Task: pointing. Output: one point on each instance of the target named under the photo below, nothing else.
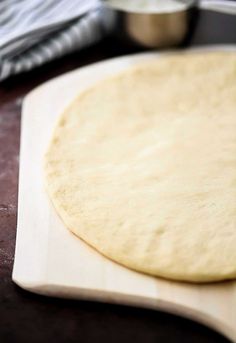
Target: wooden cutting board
(52, 261)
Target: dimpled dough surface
(142, 167)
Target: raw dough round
(143, 167)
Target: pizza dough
(142, 167)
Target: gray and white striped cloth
(33, 32)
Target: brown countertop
(26, 317)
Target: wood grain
(51, 261)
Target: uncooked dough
(142, 167)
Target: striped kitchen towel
(33, 32)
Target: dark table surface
(26, 317)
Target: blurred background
(35, 32)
